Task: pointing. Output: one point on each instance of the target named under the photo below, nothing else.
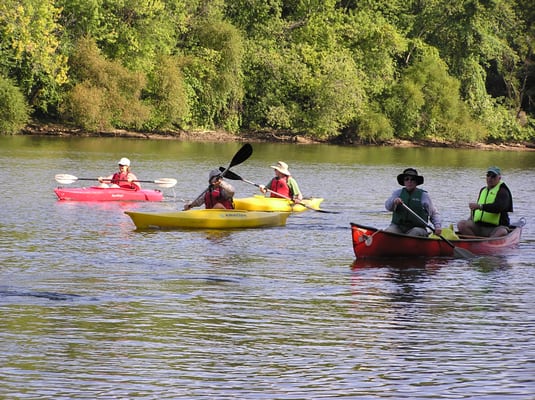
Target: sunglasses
(408, 178)
(491, 175)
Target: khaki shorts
(484, 230)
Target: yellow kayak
(261, 203)
(207, 219)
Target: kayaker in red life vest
(218, 195)
(489, 217)
(417, 200)
(124, 178)
(283, 183)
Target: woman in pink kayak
(123, 178)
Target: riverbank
(53, 129)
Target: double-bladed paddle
(66, 179)
(459, 252)
(235, 177)
(241, 155)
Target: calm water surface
(91, 308)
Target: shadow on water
(45, 295)
(207, 279)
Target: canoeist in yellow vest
(417, 200)
(489, 216)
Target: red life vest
(121, 180)
(213, 196)
(280, 185)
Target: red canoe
(375, 243)
(96, 193)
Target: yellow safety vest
(488, 197)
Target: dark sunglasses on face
(491, 175)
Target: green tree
(212, 69)
(426, 104)
(167, 94)
(258, 19)
(136, 32)
(317, 67)
(14, 111)
(106, 93)
(30, 50)
(482, 42)
(376, 46)
(305, 81)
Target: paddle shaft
(118, 180)
(427, 224)
(241, 155)
(234, 176)
(462, 252)
(275, 193)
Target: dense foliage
(14, 112)
(369, 70)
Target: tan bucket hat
(282, 167)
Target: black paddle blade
(322, 211)
(230, 175)
(243, 154)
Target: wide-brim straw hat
(282, 167)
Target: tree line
(454, 71)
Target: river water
(91, 308)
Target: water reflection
(404, 285)
(401, 263)
(10, 292)
(490, 263)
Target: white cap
(124, 161)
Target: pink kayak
(95, 193)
